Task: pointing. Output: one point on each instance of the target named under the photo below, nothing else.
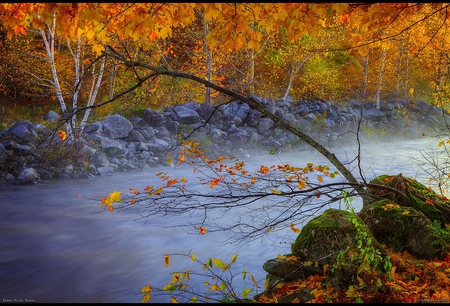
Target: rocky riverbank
(32, 152)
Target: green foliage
(365, 256)
(442, 234)
(219, 290)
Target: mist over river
(56, 247)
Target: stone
(154, 118)
(29, 175)
(117, 126)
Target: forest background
(51, 54)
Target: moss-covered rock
(401, 219)
(402, 228)
(413, 194)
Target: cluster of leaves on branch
(278, 185)
(219, 287)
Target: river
(56, 247)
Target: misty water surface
(56, 247)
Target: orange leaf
(166, 260)
(294, 229)
(202, 230)
(320, 179)
(133, 200)
(264, 170)
(429, 201)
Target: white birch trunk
(94, 93)
(50, 48)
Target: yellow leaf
(166, 260)
(274, 191)
(320, 179)
(405, 212)
(146, 298)
(246, 292)
(188, 275)
(233, 259)
(325, 267)
(253, 280)
(175, 278)
(90, 34)
(97, 48)
(218, 263)
(147, 288)
(193, 258)
(194, 299)
(173, 300)
(214, 287)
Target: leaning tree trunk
(252, 102)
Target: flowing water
(56, 247)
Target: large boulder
(154, 118)
(186, 115)
(405, 216)
(117, 126)
(29, 175)
(22, 132)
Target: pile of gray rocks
(120, 144)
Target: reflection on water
(55, 247)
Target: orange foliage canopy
(235, 25)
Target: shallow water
(56, 247)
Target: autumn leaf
(405, 212)
(253, 280)
(246, 292)
(202, 230)
(320, 178)
(194, 299)
(429, 201)
(166, 260)
(294, 229)
(173, 300)
(145, 298)
(147, 288)
(264, 170)
(175, 278)
(214, 183)
(275, 191)
(218, 263)
(233, 259)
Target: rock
(264, 125)
(22, 132)
(117, 126)
(111, 147)
(402, 220)
(106, 171)
(154, 118)
(186, 115)
(51, 116)
(373, 114)
(29, 175)
(325, 236)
